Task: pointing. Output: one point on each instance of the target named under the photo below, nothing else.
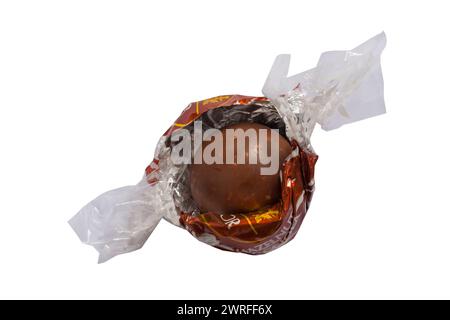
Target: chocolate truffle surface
(238, 188)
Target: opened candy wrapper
(240, 206)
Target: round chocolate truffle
(239, 187)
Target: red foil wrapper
(259, 231)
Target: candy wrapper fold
(346, 86)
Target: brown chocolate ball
(238, 188)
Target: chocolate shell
(238, 188)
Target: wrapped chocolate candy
(235, 171)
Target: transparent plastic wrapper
(344, 87)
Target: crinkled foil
(255, 232)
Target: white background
(88, 87)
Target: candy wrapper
(229, 205)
